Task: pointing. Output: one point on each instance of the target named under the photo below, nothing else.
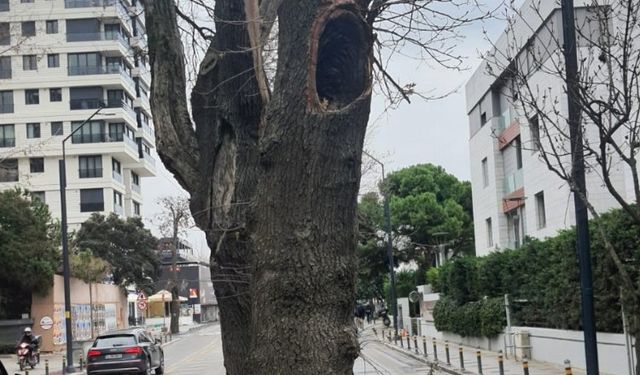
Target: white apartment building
(61, 60)
(514, 193)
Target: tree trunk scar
(252, 14)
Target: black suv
(130, 351)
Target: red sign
(142, 304)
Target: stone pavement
(469, 364)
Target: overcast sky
(421, 132)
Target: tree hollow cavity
(342, 59)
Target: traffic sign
(142, 304)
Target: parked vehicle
(130, 351)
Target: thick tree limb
(175, 136)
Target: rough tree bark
(273, 181)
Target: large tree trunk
(304, 278)
(273, 181)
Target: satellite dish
(414, 296)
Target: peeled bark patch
(341, 66)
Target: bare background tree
(173, 221)
(608, 93)
(269, 148)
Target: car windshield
(115, 341)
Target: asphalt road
(200, 352)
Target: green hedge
(543, 276)
(481, 318)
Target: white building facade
(515, 195)
(60, 61)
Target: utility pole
(579, 183)
(387, 222)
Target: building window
(6, 101)
(32, 96)
(36, 165)
(52, 26)
(135, 179)
(26, 1)
(518, 144)
(136, 208)
(534, 127)
(29, 28)
(84, 63)
(33, 130)
(91, 132)
(38, 195)
(117, 199)
(7, 136)
(57, 128)
(5, 32)
(489, 232)
(53, 60)
(90, 166)
(485, 173)
(116, 131)
(112, 31)
(55, 94)
(9, 170)
(91, 200)
(483, 118)
(116, 166)
(540, 210)
(5, 67)
(29, 62)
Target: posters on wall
(110, 317)
(59, 328)
(81, 322)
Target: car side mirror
(158, 341)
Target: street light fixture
(387, 220)
(65, 244)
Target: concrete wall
(114, 313)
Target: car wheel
(160, 369)
(148, 368)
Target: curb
(436, 364)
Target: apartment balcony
(90, 173)
(5, 73)
(117, 177)
(118, 209)
(93, 70)
(136, 188)
(118, 145)
(128, 112)
(79, 104)
(69, 4)
(145, 167)
(513, 182)
(6, 108)
(505, 120)
(7, 142)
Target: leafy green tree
(429, 207)
(29, 254)
(373, 265)
(90, 269)
(126, 244)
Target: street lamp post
(65, 244)
(387, 222)
(578, 175)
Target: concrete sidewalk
(468, 364)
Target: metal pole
(507, 308)
(435, 350)
(500, 363)
(461, 352)
(578, 176)
(628, 344)
(65, 246)
(479, 358)
(446, 352)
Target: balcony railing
(118, 209)
(124, 105)
(149, 130)
(92, 207)
(87, 3)
(92, 37)
(513, 182)
(505, 119)
(5, 73)
(90, 173)
(6, 108)
(117, 176)
(7, 142)
(93, 69)
(136, 188)
(86, 103)
(149, 159)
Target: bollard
(435, 350)
(424, 345)
(26, 371)
(525, 366)
(46, 367)
(81, 363)
(415, 344)
(446, 352)
(500, 363)
(401, 343)
(409, 342)
(395, 339)
(479, 357)
(567, 367)
(461, 357)
(64, 365)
